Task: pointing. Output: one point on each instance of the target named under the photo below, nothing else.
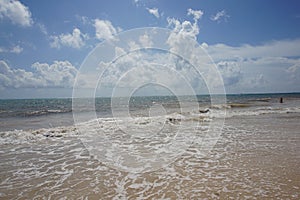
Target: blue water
(45, 113)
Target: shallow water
(178, 155)
(256, 157)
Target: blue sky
(255, 44)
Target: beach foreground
(256, 157)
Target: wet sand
(257, 157)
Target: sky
(254, 44)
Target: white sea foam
(58, 167)
(139, 126)
(248, 161)
(262, 111)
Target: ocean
(155, 147)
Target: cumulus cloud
(16, 12)
(154, 11)
(59, 74)
(143, 67)
(15, 49)
(246, 68)
(196, 13)
(186, 28)
(159, 67)
(184, 36)
(145, 40)
(104, 29)
(230, 71)
(273, 65)
(74, 39)
(219, 16)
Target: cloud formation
(16, 12)
(15, 49)
(104, 29)
(74, 39)
(154, 11)
(269, 67)
(219, 16)
(60, 74)
(230, 71)
(185, 28)
(196, 13)
(273, 66)
(150, 66)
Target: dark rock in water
(204, 111)
(51, 135)
(173, 120)
(58, 135)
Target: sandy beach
(256, 157)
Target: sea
(152, 147)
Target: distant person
(281, 100)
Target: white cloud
(159, 67)
(141, 67)
(74, 39)
(16, 12)
(186, 28)
(269, 67)
(196, 13)
(259, 81)
(281, 48)
(204, 45)
(59, 74)
(42, 28)
(294, 72)
(247, 68)
(15, 49)
(83, 19)
(222, 15)
(137, 3)
(184, 34)
(104, 29)
(154, 11)
(145, 40)
(294, 68)
(230, 71)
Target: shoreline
(254, 158)
(69, 122)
